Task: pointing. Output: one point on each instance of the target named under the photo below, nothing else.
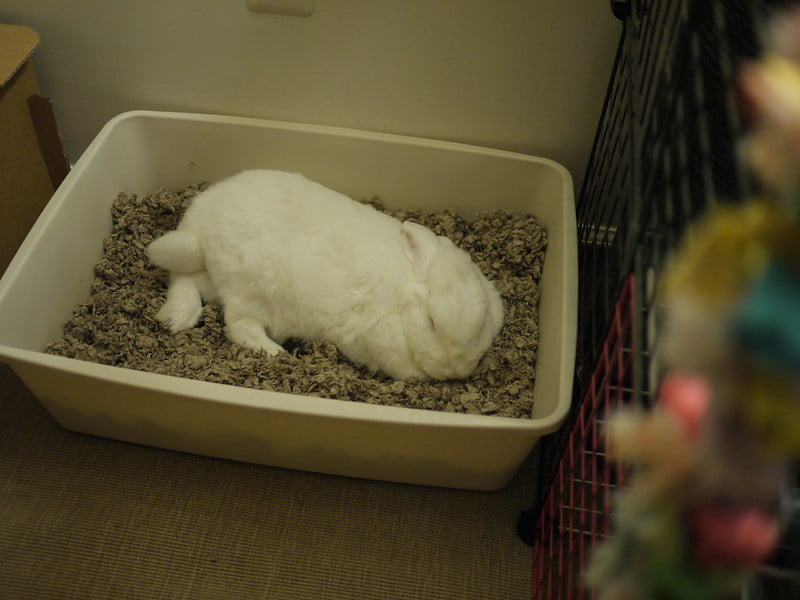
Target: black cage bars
(665, 150)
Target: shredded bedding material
(117, 325)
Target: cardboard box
(32, 160)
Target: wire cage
(665, 150)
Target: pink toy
(686, 397)
(732, 536)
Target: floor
(91, 518)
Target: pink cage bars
(576, 511)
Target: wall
(523, 75)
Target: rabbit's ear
(419, 243)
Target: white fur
(287, 257)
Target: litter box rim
(206, 391)
(564, 362)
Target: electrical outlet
(291, 8)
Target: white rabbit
(289, 258)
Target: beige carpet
(90, 518)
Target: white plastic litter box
(142, 151)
